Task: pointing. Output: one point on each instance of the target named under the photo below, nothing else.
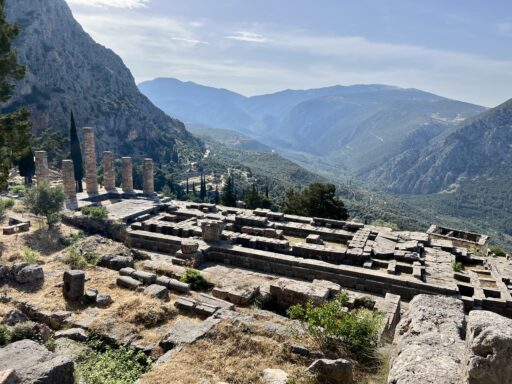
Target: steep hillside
(67, 70)
(480, 148)
(354, 128)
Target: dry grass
(146, 312)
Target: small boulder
(128, 282)
(76, 334)
(103, 300)
(14, 317)
(274, 376)
(119, 262)
(332, 371)
(126, 271)
(90, 295)
(157, 291)
(29, 274)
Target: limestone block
(144, 277)
(189, 246)
(187, 332)
(74, 283)
(274, 376)
(332, 371)
(33, 363)
(157, 291)
(109, 180)
(128, 282)
(91, 180)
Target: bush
(7, 203)
(112, 366)
(95, 212)
(75, 259)
(29, 255)
(195, 279)
(457, 267)
(72, 239)
(25, 330)
(19, 190)
(498, 251)
(357, 330)
(5, 335)
(44, 200)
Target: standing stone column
(74, 284)
(91, 181)
(127, 173)
(42, 171)
(68, 176)
(109, 179)
(148, 178)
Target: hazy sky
(456, 48)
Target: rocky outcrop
(429, 342)
(33, 363)
(332, 371)
(488, 349)
(67, 69)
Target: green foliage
(331, 322)
(112, 366)
(44, 200)
(498, 251)
(71, 239)
(27, 167)
(19, 190)
(50, 344)
(25, 330)
(195, 279)
(95, 212)
(7, 203)
(228, 193)
(29, 255)
(457, 266)
(76, 154)
(75, 259)
(55, 144)
(317, 200)
(5, 335)
(254, 199)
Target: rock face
(14, 317)
(33, 363)
(429, 344)
(488, 349)
(332, 371)
(27, 274)
(67, 69)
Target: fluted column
(148, 178)
(109, 179)
(42, 171)
(91, 181)
(127, 174)
(68, 176)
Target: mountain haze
(67, 70)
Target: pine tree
(76, 154)
(15, 127)
(228, 195)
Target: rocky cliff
(67, 69)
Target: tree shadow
(46, 241)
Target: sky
(460, 49)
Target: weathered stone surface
(9, 376)
(29, 274)
(90, 295)
(238, 296)
(127, 174)
(103, 300)
(178, 286)
(118, 262)
(127, 271)
(109, 180)
(77, 334)
(70, 349)
(274, 376)
(33, 363)
(289, 292)
(14, 317)
(332, 371)
(187, 332)
(42, 171)
(488, 349)
(147, 177)
(157, 291)
(128, 282)
(74, 283)
(429, 345)
(68, 179)
(189, 247)
(144, 277)
(91, 180)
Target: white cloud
(248, 36)
(111, 3)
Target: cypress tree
(202, 193)
(228, 196)
(27, 167)
(76, 154)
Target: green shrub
(7, 203)
(44, 200)
(75, 259)
(195, 279)
(457, 267)
(112, 366)
(50, 344)
(95, 212)
(25, 330)
(72, 239)
(364, 302)
(19, 190)
(29, 255)
(331, 322)
(5, 335)
(498, 251)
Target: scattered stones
(128, 282)
(332, 371)
(488, 349)
(103, 300)
(144, 277)
(33, 363)
(14, 317)
(157, 291)
(74, 283)
(274, 376)
(76, 334)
